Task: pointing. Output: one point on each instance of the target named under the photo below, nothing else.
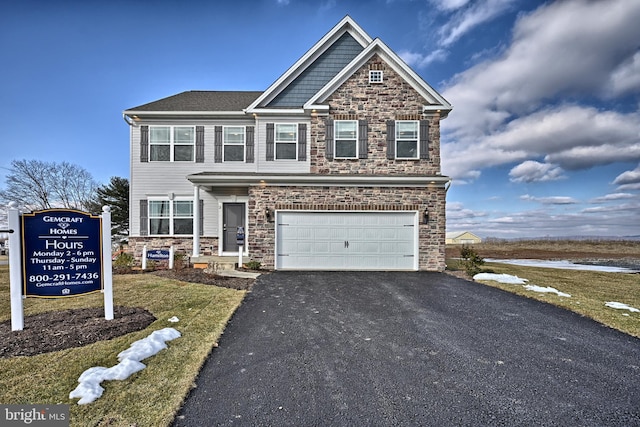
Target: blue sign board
(158, 254)
(61, 253)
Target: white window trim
(417, 156)
(335, 138)
(276, 142)
(244, 144)
(172, 144)
(376, 76)
(171, 216)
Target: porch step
(217, 263)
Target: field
(589, 290)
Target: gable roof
(346, 26)
(200, 101)
(325, 80)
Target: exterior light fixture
(425, 217)
(267, 214)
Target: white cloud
(466, 20)
(532, 171)
(500, 112)
(626, 77)
(554, 200)
(612, 197)
(449, 5)
(628, 177)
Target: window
(233, 143)
(375, 76)
(407, 139)
(346, 139)
(286, 138)
(171, 143)
(170, 218)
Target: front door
(232, 218)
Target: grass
(589, 292)
(150, 397)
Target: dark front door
(232, 218)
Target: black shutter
(424, 139)
(144, 144)
(199, 144)
(201, 222)
(270, 141)
(144, 217)
(302, 142)
(328, 138)
(391, 139)
(217, 144)
(249, 147)
(363, 139)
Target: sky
(543, 139)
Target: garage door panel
(346, 240)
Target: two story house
(336, 166)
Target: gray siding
(319, 73)
(158, 179)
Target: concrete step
(216, 263)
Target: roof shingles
(200, 100)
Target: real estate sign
(61, 253)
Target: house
(335, 166)
(462, 238)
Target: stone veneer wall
(208, 245)
(261, 237)
(394, 99)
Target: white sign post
(107, 272)
(15, 268)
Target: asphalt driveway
(408, 349)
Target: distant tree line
(39, 185)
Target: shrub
(123, 263)
(253, 265)
(179, 260)
(470, 260)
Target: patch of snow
(548, 289)
(173, 319)
(502, 278)
(564, 265)
(89, 388)
(621, 306)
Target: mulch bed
(60, 330)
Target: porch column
(196, 221)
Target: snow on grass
(547, 289)
(501, 278)
(89, 388)
(621, 306)
(561, 264)
(515, 280)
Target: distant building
(462, 238)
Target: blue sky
(544, 138)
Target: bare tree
(45, 185)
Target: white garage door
(346, 241)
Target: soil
(60, 330)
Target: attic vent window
(375, 76)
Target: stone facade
(261, 240)
(357, 99)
